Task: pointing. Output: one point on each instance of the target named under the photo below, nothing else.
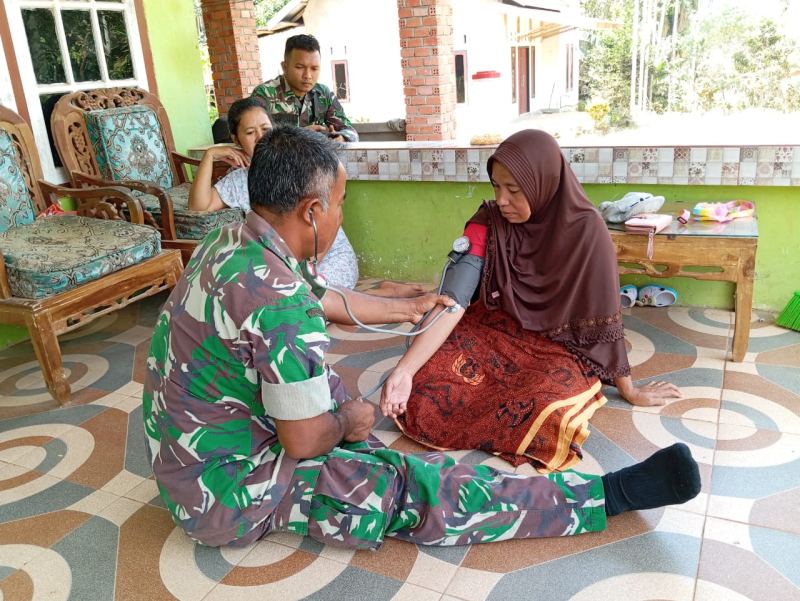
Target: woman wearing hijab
(519, 373)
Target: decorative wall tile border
(680, 165)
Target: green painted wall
(403, 230)
(179, 72)
(179, 75)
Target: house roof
(291, 15)
(555, 16)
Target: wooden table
(729, 249)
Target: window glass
(40, 28)
(81, 44)
(340, 81)
(116, 48)
(461, 78)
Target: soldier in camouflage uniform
(297, 92)
(250, 431)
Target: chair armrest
(167, 227)
(219, 170)
(98, 202)
(5, 289)
(182, 159)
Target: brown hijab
(556, 274)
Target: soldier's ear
(283, 66)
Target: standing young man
(296, 92)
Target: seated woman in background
(248, 121)
(520, 373)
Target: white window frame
(33, 89)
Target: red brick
(424, 91)
(415, 62)
(407, 52)
(414, 22)
(415, 43)
(420, 51)
(426, 110)
(406, 33)
(404, 13)
(410, 91)
(417, 100)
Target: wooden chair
(64, 271)
(122, 136)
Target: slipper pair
(648, 296)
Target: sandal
(628, 295)
(656, 296)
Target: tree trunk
(634, 51)
(644, 36)
(673, 46)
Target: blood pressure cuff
(463, 278)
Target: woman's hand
(651, 394)
(234, 156)
(395, 393)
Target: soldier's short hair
(300, 42)
(291, 164)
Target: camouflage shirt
(318, 107)
(240, 341)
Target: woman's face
(510, 199)
(252, 126)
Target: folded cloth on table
(723, 211)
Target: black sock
(668, 477)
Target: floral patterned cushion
(190, 225)
(16, 207)
(128, 144)
(59, 253)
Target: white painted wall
(484, 32)
(369, 40)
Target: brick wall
(233, 49)
(426, 42)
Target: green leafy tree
(266, 9)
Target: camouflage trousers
(360, 493)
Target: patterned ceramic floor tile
(747, 562)
(81, 518)
(760, 402)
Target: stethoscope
(413, 332)
(408, 335)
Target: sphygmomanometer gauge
(461, 245)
